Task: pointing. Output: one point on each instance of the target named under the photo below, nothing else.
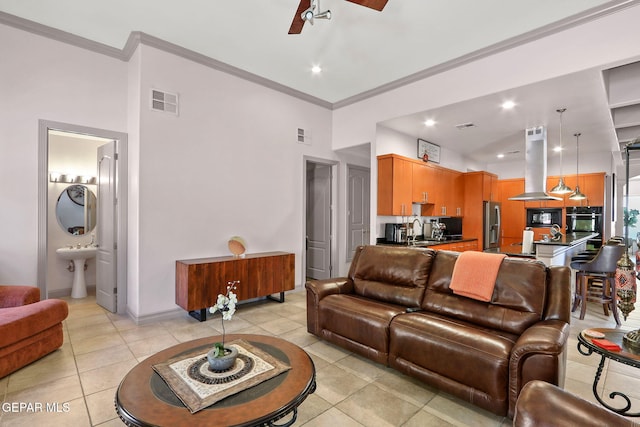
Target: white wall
(44, 79)
(228, 164)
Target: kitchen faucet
(413, 233)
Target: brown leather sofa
(29, 328)
(395, 307)
(541, 404)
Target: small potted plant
(220, 357)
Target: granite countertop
(513, 250)
(569, 239)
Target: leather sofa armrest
(316, 291)
(538, 354)
(16, 296)
(543, 404)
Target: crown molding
(136, 38)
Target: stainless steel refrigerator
(491, 221)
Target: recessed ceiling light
(500, 156)
(507, 105)
(429, 122)
(557, 149)
(316, 69)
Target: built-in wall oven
(586, 219)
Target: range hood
(535, 166)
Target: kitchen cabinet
(450, 198)
(591, 185)
(513, 211)
(489, 187)
(403, 181)
(478, 188)
(395, 185)
(199, 281)
(424, 183)
(467, 245)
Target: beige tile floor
(101, 347)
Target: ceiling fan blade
(297, 23)
(373, 4)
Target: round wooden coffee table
(144, 399)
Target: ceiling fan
(308, 10)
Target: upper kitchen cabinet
(489, 187)
(451, 195)
(395, 185)
(403, 181)
(591, 185)
(424, 184)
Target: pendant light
(577, 194)
(561, 188)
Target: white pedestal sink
(78, 256)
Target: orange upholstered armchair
(29, 328)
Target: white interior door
(106, 265)
(358, 199)
(318, 252)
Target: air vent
(463, 126)
(304, 138)
(164, 101)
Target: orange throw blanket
(474, 274)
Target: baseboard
(61, 293)
(157, 317)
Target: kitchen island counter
(559, 252)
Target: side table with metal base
(625, 355)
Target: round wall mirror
(76, 210)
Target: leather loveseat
(29, 328)
(395, 307)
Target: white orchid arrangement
(226, 304)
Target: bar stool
(600, 269)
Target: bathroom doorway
(72, 157)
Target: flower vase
(224, 362)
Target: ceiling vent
(463, 126)
(164, 101)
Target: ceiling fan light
(307, 15)
(561, 188)
(324, 15)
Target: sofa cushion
(358, 319)
(458, 357)
(518, 300)
(396, 275)
(19, 323)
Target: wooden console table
(199, 281)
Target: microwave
(544, 217)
